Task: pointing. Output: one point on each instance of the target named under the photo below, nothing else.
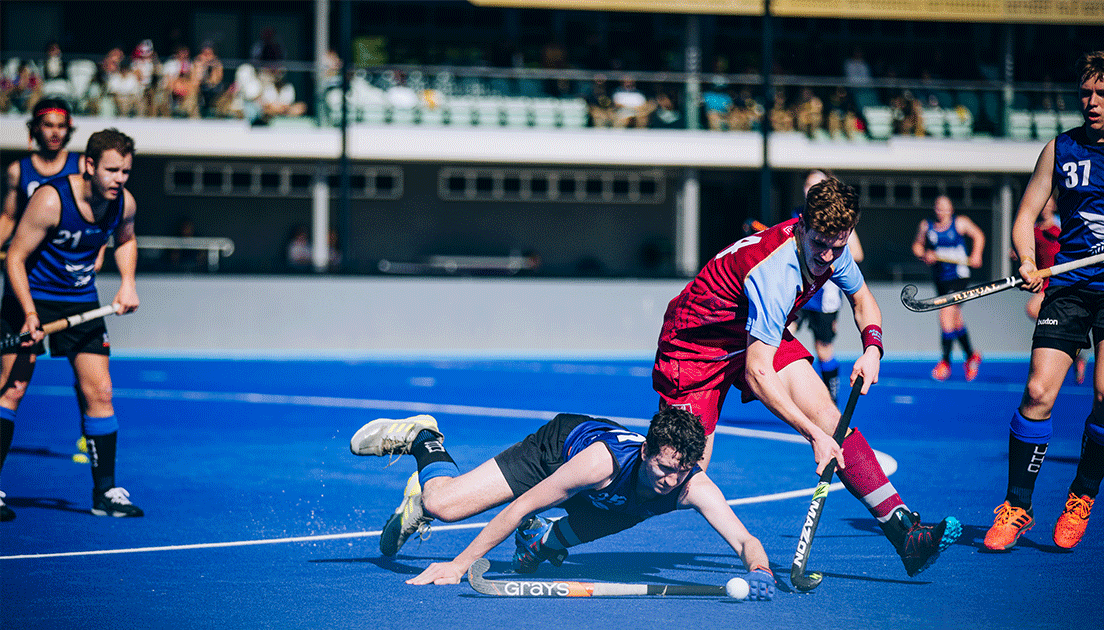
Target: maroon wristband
(872, 336)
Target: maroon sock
(865, 478)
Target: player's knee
(437, 502)
(97, 394)
(1038, 396)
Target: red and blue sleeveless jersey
(63, 267)
(1079, 180)
(30, 179)
(624, 446)
(754, 287)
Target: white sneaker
(115, 502)
(6, 513)
(391, 437)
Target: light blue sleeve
(846, 274)
(770, 290)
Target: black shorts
(89, 337)
(823, 325)
(1066, 317)
(540, 454)
(943, 287)
(535, 458)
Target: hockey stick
(566, 588)
(908, 293)
(802, 581)
(58, 325)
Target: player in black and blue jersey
(1070, 167)
(50, 128)
(605, 476)
(51, 274)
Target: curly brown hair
(1091, 66)
(679, 429)
(108, 139)
(831, 207)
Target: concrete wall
(362, 316)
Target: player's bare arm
(867, 313)
(769, 388)
(11, 198)
(42, 214)
(970, 230)
(704, 496)
(126, 256)
(592, 468)
(1038, 191)
(918, 248)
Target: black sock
(964, 339)
(948, 345)
(427, 448)
(1024, 461)
(7, 431)
(101, 450)
(1090, 470)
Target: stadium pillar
(1002, 225)
(320, 218)
(688, 224)
(321, 47)
(692, 104)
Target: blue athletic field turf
(257, 515)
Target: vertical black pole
(346, 48)
(764, 125)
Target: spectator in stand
(147, 67)
(21, 91)
(632, 106)
(179, 86)
(855, 68)
(843, 115)
(747, 112)
(554, 57)
(809, 112)
(54, 67)
(278, 97)
(125, 90)
(908, 115)
(599, 104)
(209, 73)
(781, 116)
(267, 51)
(107, 68)
(666, 114)
(717, 104)
(298, 250)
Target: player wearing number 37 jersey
(728, 329)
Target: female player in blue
(606, 477)
(50, 128)
(51, 274)
(1071, 167)
(941, 244)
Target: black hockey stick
(908, 292)
(59, 324)
(802, 581)
(570, 588)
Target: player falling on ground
(50, 275)
(606, 477)
(1071, 167)
(941, 244)
(728, 329)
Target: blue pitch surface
(257, 515)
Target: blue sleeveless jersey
(30, 179)
(948, 244)
(620, 495)
(1079, 179)
(63, 267)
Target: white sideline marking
(888, 463)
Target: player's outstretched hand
(439, 573)
(760, 585)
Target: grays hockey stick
(801, 580)
(571, 588)
(908, 293)
(59, 325)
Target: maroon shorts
(700, 386)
